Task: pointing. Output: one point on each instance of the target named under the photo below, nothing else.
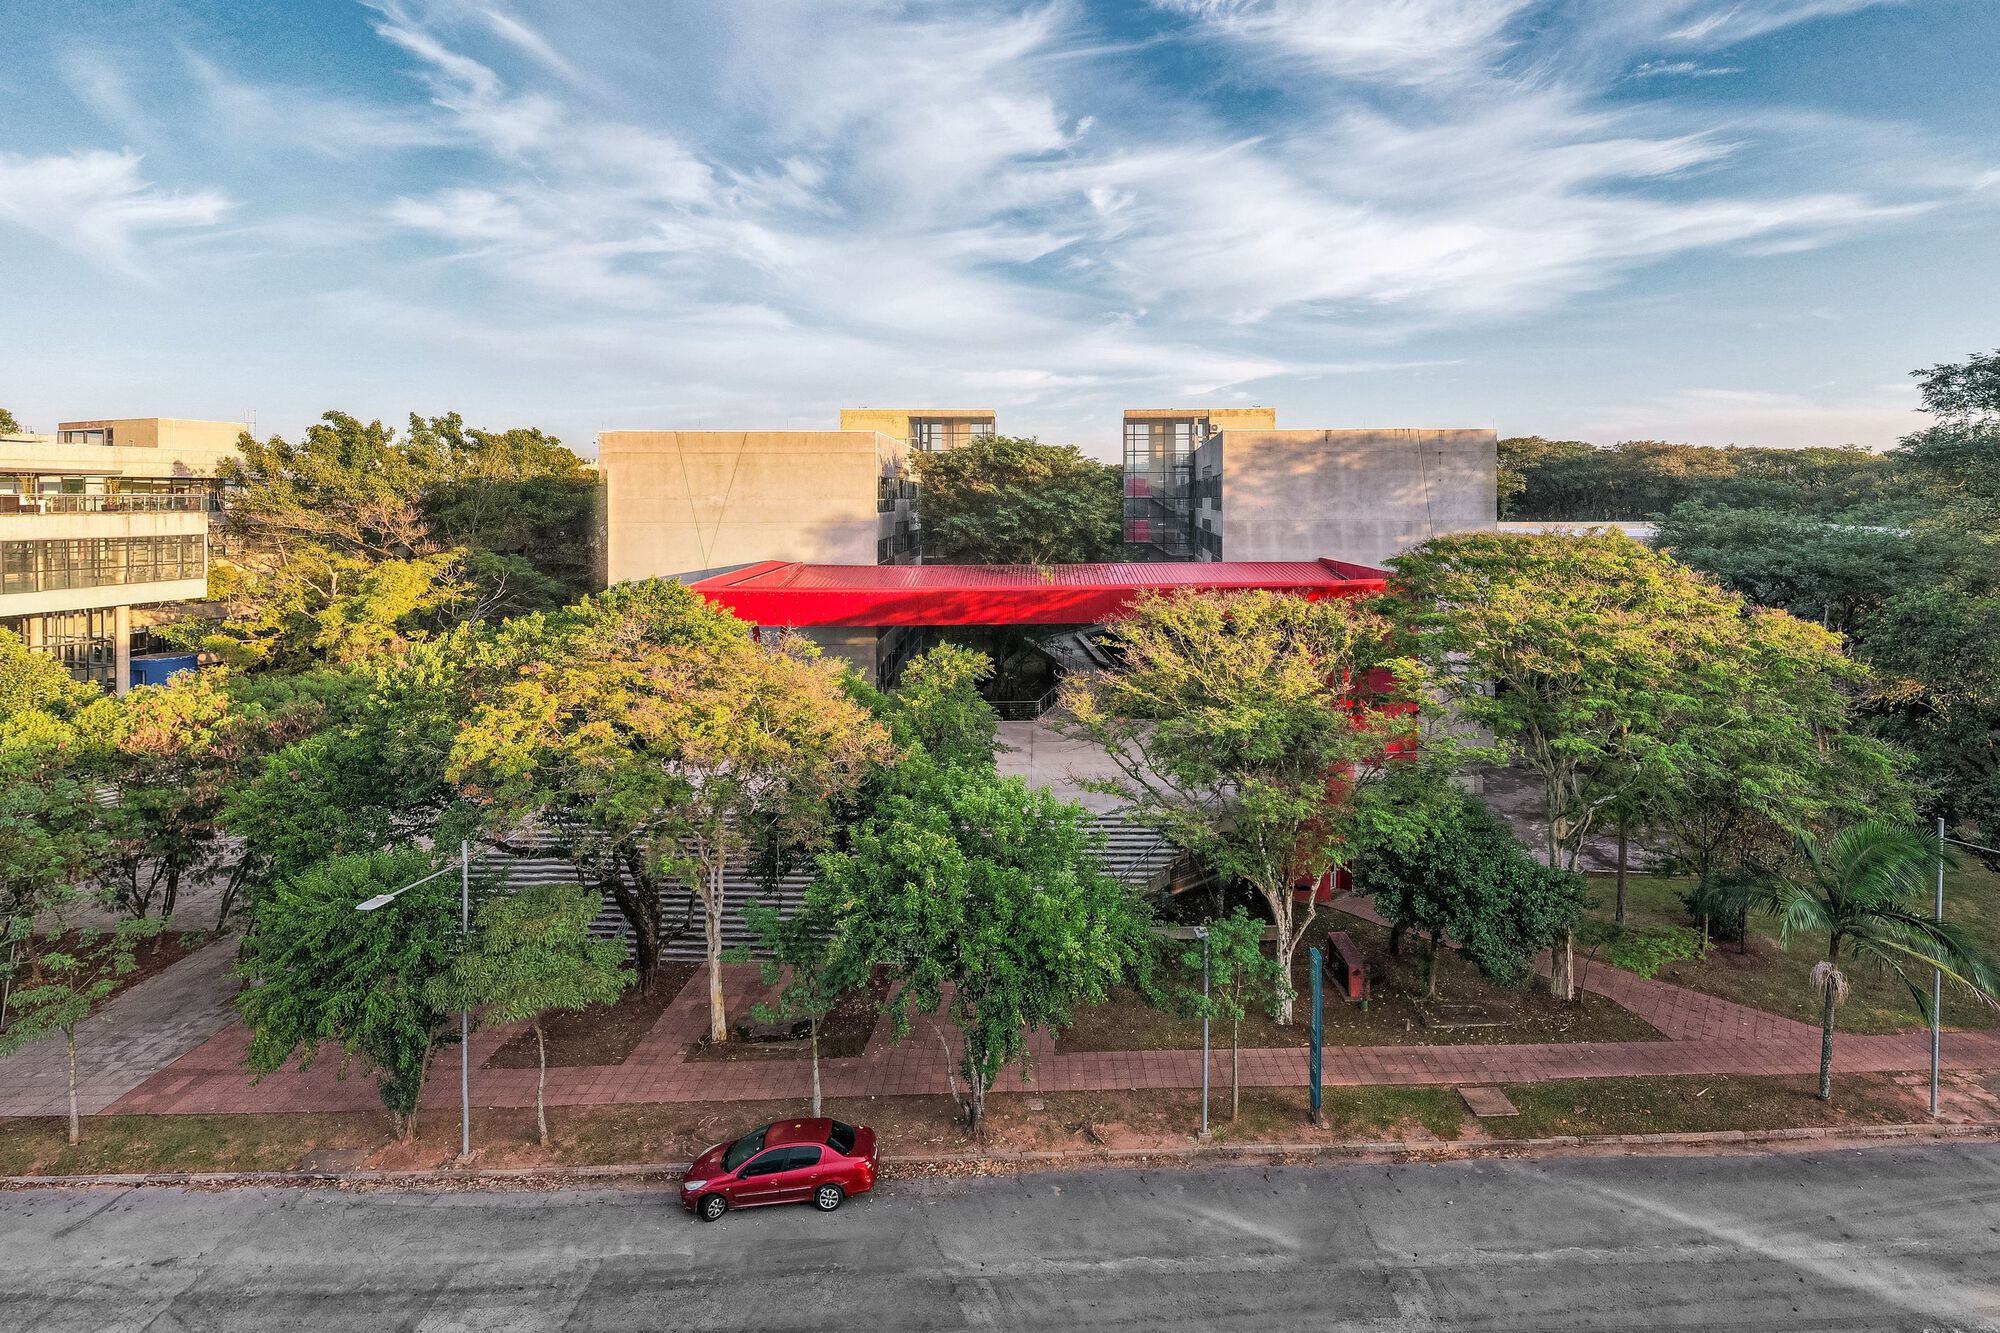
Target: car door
(801, 1174)
(761, 1178)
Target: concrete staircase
(1128, 852)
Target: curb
(1394, 1150)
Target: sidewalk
(125, 1043)
(1704, 1035)
(169, 1045)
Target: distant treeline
(1640, 479)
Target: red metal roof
(776, 592)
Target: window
(53, 566)
(770, 1163)
(798, 1159)
(931, 434)
(742, 1150)
(841, 1138)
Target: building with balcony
(680, 502)
(925, 429)
(101, 522)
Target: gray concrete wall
(1360, 495)
(676, 501)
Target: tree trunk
(1290, 926)
(639, 902)
(75, 1125)
(814, 1026)
(711, 904)
(541, 1084)
(1235, 1069)
(170, 897)
(1619, 914)
(1826, 1041)
(1395, 939)
(1430, 965)
(975, 1105)
(1562, 967)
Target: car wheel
(828, 1197)
(712, 1207)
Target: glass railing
(138, 502)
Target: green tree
(1863, 891)
(1467, 880)
(1260, 732)
(1831, 572)
(804, 959)
(1004, 500)
(1957, 459)
(1240, 976)
(62, 987)
(532, 952)
(647, 732)
(1598, 664)
(324, 973)
(983, 900)
(1936, 690)
(938, 707)
(10, 424)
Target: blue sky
(1713, 220)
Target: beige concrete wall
(144, 447)
(1360, 495)
(677, 501)
(1220, 418)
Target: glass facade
(1159, 496)
(53, 566)
(84, 641)
(33, 493)
(932, 434)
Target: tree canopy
(1262, 733)
(1007, 500)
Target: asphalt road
(1881, 1239)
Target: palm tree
(1865, 888)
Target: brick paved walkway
(127, 1041)
(1704, 1035)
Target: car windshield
(841, 1138)
(743, 1150)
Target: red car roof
(807, 1130)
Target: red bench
(1347, 967)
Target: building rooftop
(777, 592)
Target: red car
(791, 1161)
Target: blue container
(159, 668)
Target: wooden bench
(1347, 967)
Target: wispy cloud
(96, 204)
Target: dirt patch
(1695, 1103)
(843, 1035)
(1469, 1010)
(602, 1034)
(151, 958)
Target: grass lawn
(1160, 1119)
(1397, 1013)
(1775, 979)
(1691, 1104)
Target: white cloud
(1392, 40)
(95, 203)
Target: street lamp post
(1937, 974)
(464, 1015)
(1201, 933)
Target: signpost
(1318, 1031)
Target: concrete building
(1363, 495)
(1158, 443)
(927, 429)
(684, 502)
(100, 522)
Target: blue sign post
(1318, 1029)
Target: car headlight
(692, 1184)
